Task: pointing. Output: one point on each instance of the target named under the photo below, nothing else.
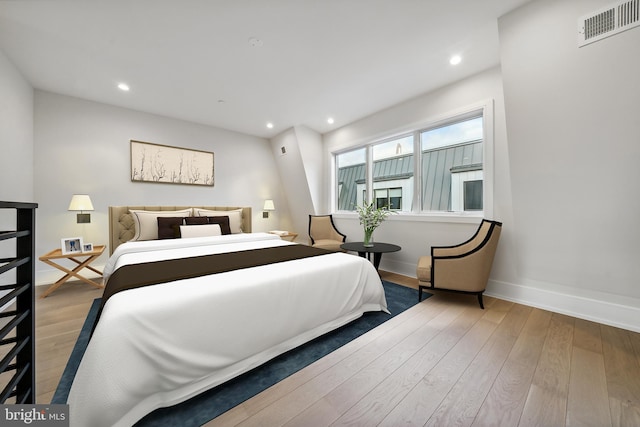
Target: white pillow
(146, 222)
(235, 217)
(204, 230)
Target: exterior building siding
(437, 165)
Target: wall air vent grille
(609, 21)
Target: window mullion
(369, 179)
(417, 173)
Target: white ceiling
(192, 59)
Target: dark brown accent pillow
(195, 220)
(167, 226)
(222, 221)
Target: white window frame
(484, 108)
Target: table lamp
(81, 202)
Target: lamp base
(265, 214)
(83, 218)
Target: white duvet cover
(159, 345)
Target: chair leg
(419, 293)
(480, 300)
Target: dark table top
(377, 247)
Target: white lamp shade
(268, 205)
(80, 202)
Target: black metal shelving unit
(17, 335)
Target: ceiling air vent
(609, 21)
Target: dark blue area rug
(210, 404)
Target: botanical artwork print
(173, 165)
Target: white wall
(16, 134)
(83, 147)
(572, 121)
(311, 151)
(16, 146)
(417, 234)
(294, 180)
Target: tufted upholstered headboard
(121, 224)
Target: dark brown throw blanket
(156, 272)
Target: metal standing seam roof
(437, 165)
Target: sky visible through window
(397, 147)
(468, 130)
(351, 158)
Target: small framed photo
(72, 245)
(87, 247)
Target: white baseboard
(406, 269)
(594, 306)
(589, 308)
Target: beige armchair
(324, 234)
(461, 268)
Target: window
(395, 199)
(389, 197)
(473, 195)
(436, 168)
(451, 156)
(392, 175)
(351, 168)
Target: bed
(158, 345)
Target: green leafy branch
(371, 217)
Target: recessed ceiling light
(123, 86)
(270, 125)
(455, 60)
(330, 120)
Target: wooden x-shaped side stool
(57, 254)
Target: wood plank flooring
(59, 319)
(444, 362)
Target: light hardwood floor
(59, 318)
(444, 362)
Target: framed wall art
(170, 165)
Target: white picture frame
(87, 247)
(71, 245)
